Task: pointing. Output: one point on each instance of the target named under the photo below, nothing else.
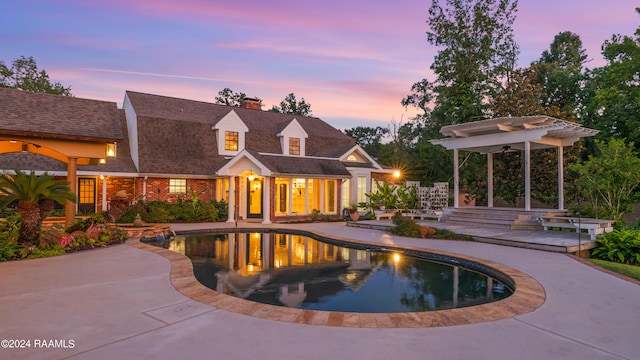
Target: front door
(86, 195)
(254, 198)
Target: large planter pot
(354, 215)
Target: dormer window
(292, 138)
(231, 140)
(294, 146)
(230, 134)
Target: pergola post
(70, 207)
(527, 175)
(560, 178)
(490, 180)
(456, 179)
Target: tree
(559, 71)
(24, 74)
(612, 100)
(291, 106)
(609, 178)
(369, 138)
(479, 52)
(230, 98)
(35, 196)
(521, 95)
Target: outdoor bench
(414, 214)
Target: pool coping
(527, 296)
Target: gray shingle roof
(65, 117)
(280, 165)
(176, 136)
(30, 161)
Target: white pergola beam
(502, 138)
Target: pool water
(301, 272)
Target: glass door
(254, 198)
(86, 195)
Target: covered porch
(270, 188)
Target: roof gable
(358, 157)
(231, 122)
(293, 129)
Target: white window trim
(230, 122)
(293, 130)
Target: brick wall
(158, 190)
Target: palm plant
(36, 196)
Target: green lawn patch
(631, 271)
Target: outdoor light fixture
(111, 150)
(396, 174)
(251, 177)
(102, 161)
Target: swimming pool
(303, 271)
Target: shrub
(158, 213)
(36, 252)
(83, 225)
(444, 234)
(621, 246)
(315, 215)
(427, 231)
(405, 226)
(182, 210)
(9, 247)
(50, 237)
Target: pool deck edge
(527, 297)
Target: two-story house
(267, 166)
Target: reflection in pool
(300, 272)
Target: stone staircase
(502, 218)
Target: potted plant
(353, 212)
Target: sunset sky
(352, 60)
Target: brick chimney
(251, 103)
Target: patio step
(503, 218)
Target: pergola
(524, 133)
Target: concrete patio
(119, 302)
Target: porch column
(232, 199)
(456, 180)
(290, 197)
(560, 178)
(266, 201)
(306, 196)
(490, 180)
(527, 175)
(70, 207)
(322, 210)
